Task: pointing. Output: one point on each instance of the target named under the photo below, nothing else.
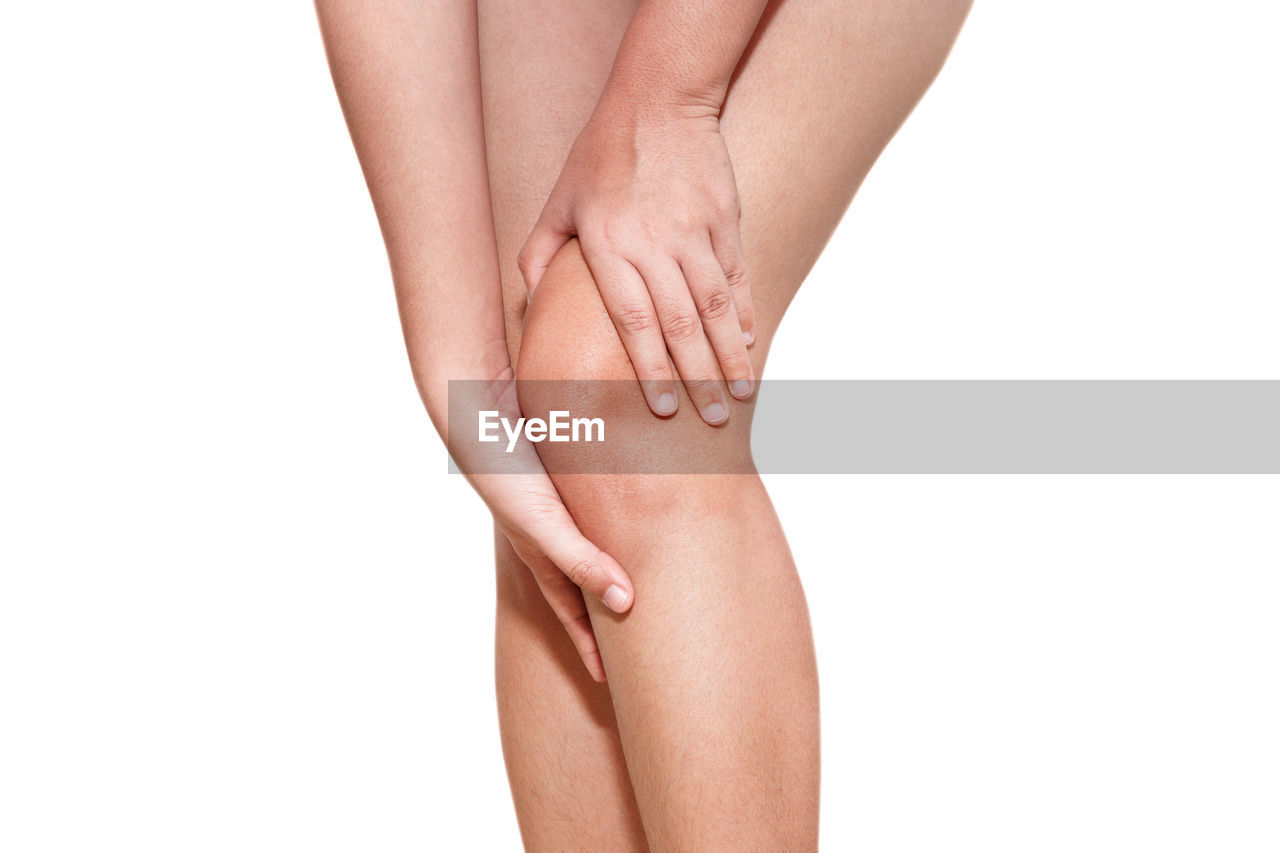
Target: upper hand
(650, 193)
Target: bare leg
(543, 66)
(559, 735)
(712, 674)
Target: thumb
(593, 570)
(544, 241)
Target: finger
(726, 242)
(589, 568)
(566, 602)
(686, 339)
(548, 235)
(627, 299)
(711, 297)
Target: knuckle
(634, 320)
(681, 327)
(585, 643)
(728, 209)
(580, 571)
(652, 369)
(735, 360)
(715, 306)
(615, 232)
(701, 388)
(605, 232)
(648, 235)
(524, 260)
(736, 275)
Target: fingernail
(748, 338)
(666, 403)
(615, 598)
(715, 413)
(740, 387)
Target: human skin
(407, 75)
(706, 736)
(648, 188)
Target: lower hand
(528, 511)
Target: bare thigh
(821, 90)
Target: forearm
(407, 75)
(683, 51)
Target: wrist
(652, 97)
(441, 383)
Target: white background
(242, 607)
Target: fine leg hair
(706, 735)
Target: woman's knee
(572, 361)
(570, 354)
(567, 331)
